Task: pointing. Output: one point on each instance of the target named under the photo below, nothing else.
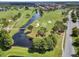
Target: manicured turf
(21, 21)
(22, 51)
(8, 14)
(52, 16)
(15, 25)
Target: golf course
(32, 31)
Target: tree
(30, 27)
(63, 13)
(41, 12)
(72, 14)
(26, 8)
(19, 15)
(51, 41)
(27, 15)
(59, 27)
(76, 42)
(74, 17)
(14, 8)
(54, 38)
(5, 39)
(16, 16)
(5, 22)
(8, 42)
(38, 45)
(42, 31)
(75, 31)
(77, 13)
(65, 19)
(77, 52)
(44, 44)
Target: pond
(20, 38)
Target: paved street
(69, 50)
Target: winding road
(68, 49)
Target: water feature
(20, 38)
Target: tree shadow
(3, 48)
(30, 50)
(73, 35)
(74, 55)
(75, 44)
(15, 56)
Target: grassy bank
(52, 16)
(22, 51)
(21, 21)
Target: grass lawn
(22, 51)
(15, 25)
(8, 14)
(51, 16)
(22, 20)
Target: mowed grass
(22, 51)
(8, 14)
(53, 16)
(15, 25)
(22, 20)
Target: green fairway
(22, 51)
(15, 25)
(51, 16)
(47, 20)
(39, 29)
(8, 14)
(22, 20)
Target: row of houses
(48, 6)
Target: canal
(20, 38)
